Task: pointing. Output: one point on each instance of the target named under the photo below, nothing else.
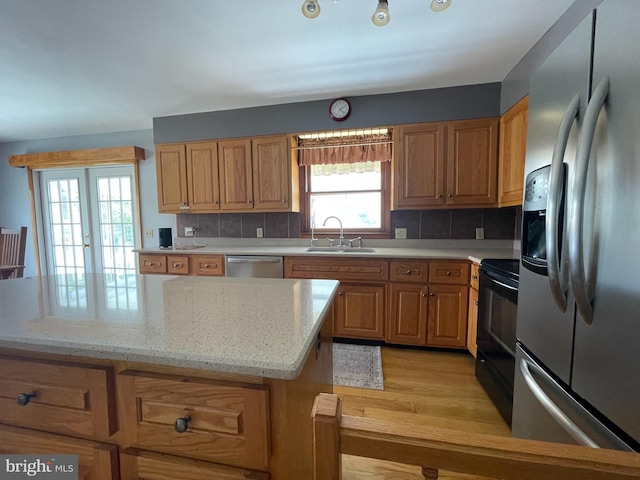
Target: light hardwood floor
(423, 388)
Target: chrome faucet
(341, 244)
(313, 238)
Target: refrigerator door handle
(554, 201)
(552, 409)
(576, 210)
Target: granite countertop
(258, 327)
(473, 251)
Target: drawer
(142, 464)
(67, 399)
(153, 264)
(475, 276)
(336, 269)
(178, 264)
(223, 422)
(411, 271)
(208, 265)
(449, 272)
(96, 461)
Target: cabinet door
(472, 162)
(271, 173)
(171, 174)
(96, 461)
(513, 143)
(359, 312)
(418, 176)
(447, 324)
(236, 179)
(202, 175)
(472, 323)
(408, 314)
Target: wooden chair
(14, 242)
(462, 452)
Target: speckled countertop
(469, 250)
(260, 327)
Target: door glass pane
(64, 227)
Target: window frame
(383, 232)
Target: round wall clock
(340, 109)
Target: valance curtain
(327, 149)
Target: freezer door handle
(557, 277)
(576, 209)
(552, 409)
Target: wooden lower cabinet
(176, 264)
(447, 325)
(408, 314)
(472, 322)
(359, 311)
(138, 464)
(96, 460)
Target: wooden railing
(439, 449)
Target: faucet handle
(331, 241)
(357, 239)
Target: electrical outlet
(480, 233)
(258, 232)
(148, 233)
(401, 233)
(189, 231)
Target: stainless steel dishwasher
(256, 266)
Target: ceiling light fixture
(310, 8)
(381, 16)
(440, 5)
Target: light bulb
(310, 8)
(381, 16)
(440, 5)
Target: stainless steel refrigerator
(577, 374)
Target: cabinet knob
(284, 200)
(176, 265)
(476, 302)
(474, 277)
(432, 294)
(248, 201)
(424, 294)
(408, 272)
(450, 195)
(182, 423)
(438, 196)
(339, 293)
(448, 274)
(24, 398)
(206, 265)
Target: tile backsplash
(498, 224)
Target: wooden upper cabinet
(472, 162)
(271, 173)
(236, 175)
(202, 177)
(513, 144)
(419, 165)
(171, 173)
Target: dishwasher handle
(254, 259)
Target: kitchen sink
(342, 249)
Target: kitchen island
(144, 375)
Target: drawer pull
(206, 265)
(182, 423)
(408, 272)
(24, 398)
(176, 265)
(448, 274)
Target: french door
(89, 222)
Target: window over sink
(346, 174)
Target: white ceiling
(71, 67)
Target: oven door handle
(495, 280)
(552, 409)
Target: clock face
(339, 109)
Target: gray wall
(15, 206)
(453, 103)
(516, 84)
